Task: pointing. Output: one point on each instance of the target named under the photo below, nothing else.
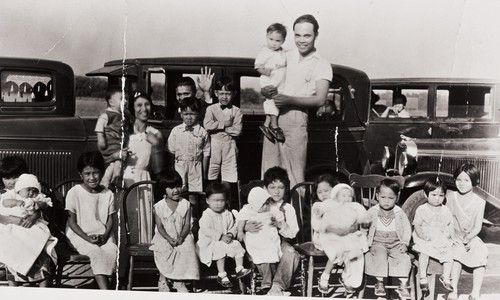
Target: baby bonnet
(26, 181)
(257, 197)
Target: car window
(417, 102)
(469, 102)
(25, 88)
(416, 105)
(333, 109)
(251, 99)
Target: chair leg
(310, 276)
(363, 286)
(303, 283)
(130, 273)
(413, 283)
(59, 272)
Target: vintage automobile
(452, 121)
(335, 138)
(37, 118)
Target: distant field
(89, 107)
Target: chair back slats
(141, 212)
(365, 186)
(302, 198)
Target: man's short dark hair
(280, 28)
(186, 81)
(308, 19)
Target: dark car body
(452, 121)
(335, 140)
(37, 121)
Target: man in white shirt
(308, 77)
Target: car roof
(444, 80)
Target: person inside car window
(397, 110)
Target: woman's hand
(94, 239)
(29, 220)
(152, 139)
(253, 226)
(403, 248)
(226, 238)
(205, 79)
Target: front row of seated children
(176, 254)
(445, 233)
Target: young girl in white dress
(468, 213)
(217, 235)
(173, 243)
(92, 212)
(433, 233)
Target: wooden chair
(365, 186)
(71, 266)
(365, 189)
(302, 196)
(141, 259)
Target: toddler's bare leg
(221, 265)
(447, 270)
(328, 270)
(102, 281)
(273, 120)
(239, 263)
(423, 261)
(267, 121)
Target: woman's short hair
(137, 95)
(12, 166)
(399, 99)
(470, 170)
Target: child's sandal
(224, 281)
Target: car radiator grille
(51, 167)
(489, 169)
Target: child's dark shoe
(447, 284)
(403, 292)
(267, 133)
(224, 281)
(277, 134)
(380, 289)
(424, 287)
(243, 273)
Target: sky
(384, 38)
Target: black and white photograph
(232, 148)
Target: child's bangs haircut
(186, 81)
(12, 166)
(470, 170)
(434, 183)
(190, 102)
(329, 178)
(277, 27)
(390, 183)
(277, 173)
(217, 188)
(168, 179)
(224, 83)
(91, 159)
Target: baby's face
(345, 195)
(28, 193)
(115, 101)
(274, 40)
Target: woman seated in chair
(91, 210)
